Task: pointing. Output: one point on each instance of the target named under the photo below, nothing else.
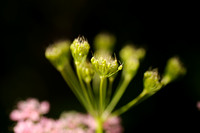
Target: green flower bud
(130, 57)
(130, 67)
(131, 52)
(58, 54)
(79, 48)
(87, 71)
(104, 64)
(104, 41)
(151, 82)
(173, 70)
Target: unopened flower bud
(58, 54)
(130, 67)
(173, 70)
(104, 41)
(151, 82)
(130, 57)
(104, 64)
(131, 52)
(87, 71)
(79, 48)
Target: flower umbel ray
(93, 77)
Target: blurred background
(164, 29)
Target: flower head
(80, 48)
(58, 54)
(129, 51)
(130, 67)
(30, 109)
(151, 81)
(104, 41)
(104, 64)
(131, 57)
(173, 70)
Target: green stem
(90, 91)
(101, 94)
(119, 92)
(73, 83)
(111, 79)
(104, 92)
(132, 103)
(85, 91)
(99, 123)
(95, 86)
(92, 98)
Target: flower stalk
(99, 123)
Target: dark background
(164, 29)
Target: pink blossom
(74, 121)
(29, 109)
(113, 125)
(24, 127)
(89, 120)
(30, 120)
(45, 125)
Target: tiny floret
(79, 49)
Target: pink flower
(30, 120)
(113, 125)
(29, 109)
(76, 122)
(90, 122)
(45, 125)
(24, 127)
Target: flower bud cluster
(79, 49)
(104, 41)
(151, 81)
(58, 54)
(173, 70)
(129, 51)
(131, 57)
(104, 64)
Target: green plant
(93, 79)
